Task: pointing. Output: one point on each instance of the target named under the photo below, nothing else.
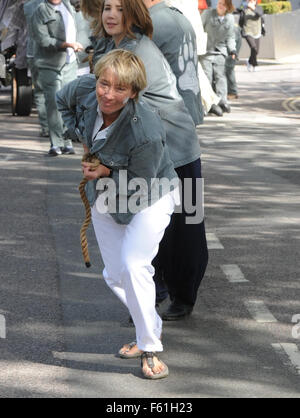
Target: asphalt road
(61, 327)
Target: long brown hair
(135, 13)
(91, 10)
(229, 6)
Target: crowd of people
(131, 80)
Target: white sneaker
(249, 66)
(254, 69)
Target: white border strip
(292, 352)
(233, 273)
(213, 242)
(2, 326)
(259, 311)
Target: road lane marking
(2, 326)
(291, 350)
(233, 273)
(291, 104)
(213, 242)
(6, 157)
(259, 311)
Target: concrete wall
(295, 4)
(282, 38)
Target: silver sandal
(148, 355)
(125, 354)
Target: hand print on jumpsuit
(187, 64)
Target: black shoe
(68, 150)
(225, 107)
(216, 110)
(54, 151)
(44, 133)
(177, 311)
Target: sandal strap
(148, 355)
(132, 344)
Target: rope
(83, 238)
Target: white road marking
(291, 104)
(291, 350)
(233, 273)
(6, 157)
(259, 311)
(213, 242)
(2, 326)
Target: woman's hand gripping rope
(92, 169)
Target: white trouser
(127, 252)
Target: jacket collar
(90, 115)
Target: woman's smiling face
(112, 19)
(111, 95)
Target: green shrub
(276, 6)
(286, 6)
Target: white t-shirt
(97, 133)
(70, 29)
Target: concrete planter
(282, 38)
(295, 4)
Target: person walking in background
(232, 88)
(39, 98)
(219, 25)
(252, 28)
(54, 31)
(127, 136)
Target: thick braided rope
(84, 227)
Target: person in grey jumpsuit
(54, 31)
(219, 25)
(39, 98)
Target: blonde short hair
(128, 67)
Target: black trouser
(254, 48)
(183, 256)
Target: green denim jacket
(136, 145)
(48, 31)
